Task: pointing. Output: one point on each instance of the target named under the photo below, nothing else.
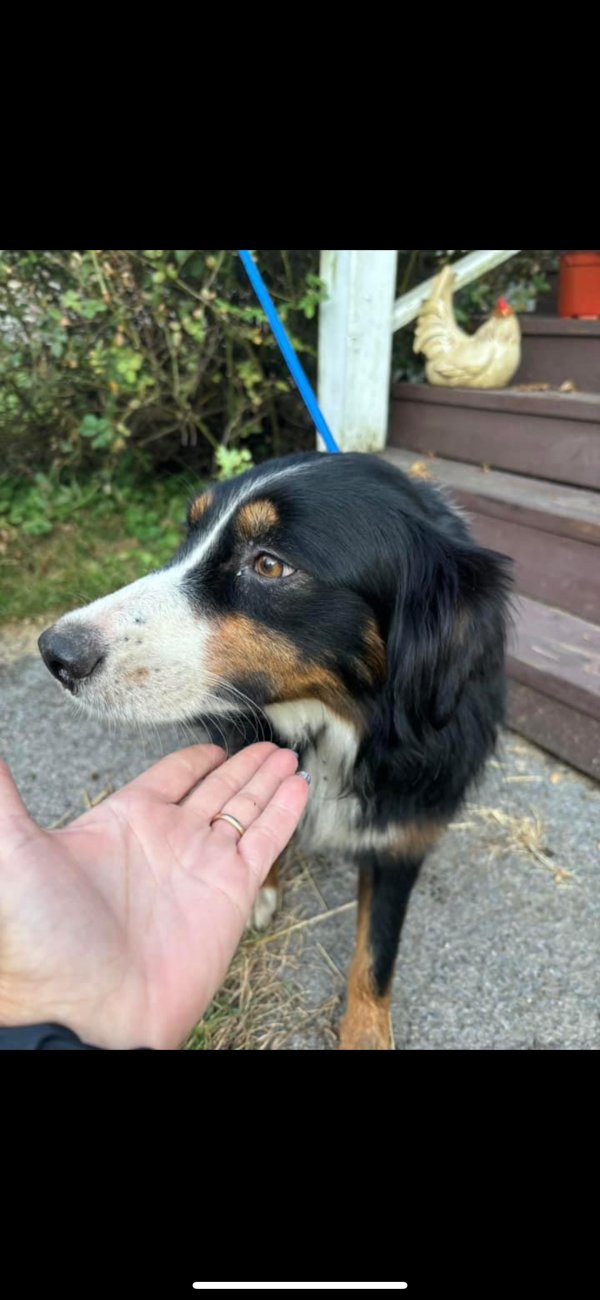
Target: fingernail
(306, 776)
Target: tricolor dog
(346, 607)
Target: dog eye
(268, 566)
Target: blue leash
(296, 370)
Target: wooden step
(553, 507)
(551, 531)
(554, 350)
(554, 691)
(549, 433)
(558, 653)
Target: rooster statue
(487, 359)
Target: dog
(347, 605)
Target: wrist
(41, 1038)
(47, 1037)
(20, 1017)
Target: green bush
(149, 355)
(128, 378)
(115, 361)
(65, 543)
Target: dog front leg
(266, 904)
(384, 891)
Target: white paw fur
(264, 908)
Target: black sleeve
(46, 1038)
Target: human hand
(122, 925)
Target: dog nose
(71, 654)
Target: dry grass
(303, 925)
(420, 469)
(524, 835)
(261, 1006)
(88, 802)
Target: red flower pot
(579, 285)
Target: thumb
(11, 803)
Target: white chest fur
(328, 747)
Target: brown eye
(268, 566)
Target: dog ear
(448, 627)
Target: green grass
(64, 545)
(214, 1025)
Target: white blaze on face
(155, 646)
(155, 639)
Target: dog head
(334, 579)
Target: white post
(355, 345)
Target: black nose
(71, 654)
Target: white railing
(467, 269)
(356, 324)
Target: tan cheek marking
(200, 506)
(239, 645)
(256, 518)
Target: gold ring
(233, 821)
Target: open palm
(122, 925)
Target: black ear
(448, 629)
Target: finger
(251, 801)
(272, 831)
(174, 776)
(223, 784)
(11, 803)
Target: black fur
(391, 617)
(369, 542)
(390, 881)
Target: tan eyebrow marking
(200, 506)
(256, 518)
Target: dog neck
(315, 731)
